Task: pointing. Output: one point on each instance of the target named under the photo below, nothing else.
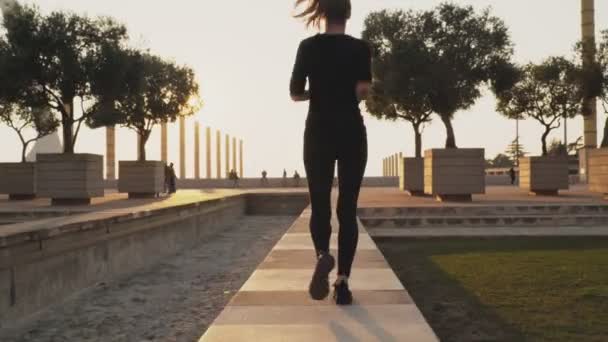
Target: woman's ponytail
(331, 10)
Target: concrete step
(452, 221)
(481, 210)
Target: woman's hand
(301, 97)
(363, 90)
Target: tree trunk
(142, 147)
(544, 140)
(24, 152)
(605, 139)
(68, 127)
(450, 137)
(418, 141)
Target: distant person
(337, 68)
(284, 178)
(172, 179)
(264, 177)
(296, 179)
(235, 178)
(512, 176)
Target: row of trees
(64, 69)
(440, 61)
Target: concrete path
(489, 232)
(274, 305)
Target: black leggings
(324, 144)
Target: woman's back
(333, 65)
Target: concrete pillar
(164, 135)
(390, 166)
(396, 166)
(234, 165)
(241, 171)
(197, 150)
(218, 156)
(208, 150)
(384, 167)
(182, 147)
(399, 163)
(588, 35)
(110, 153)
(227, 155)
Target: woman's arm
(298, 77)
(301, 97)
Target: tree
(469, 51)
(501, 161)
(596, 74)
(402, 70)
(515, 150)
(20, 119)
(153, 91)
(546, 92)
(51, 61)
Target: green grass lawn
(536, 289)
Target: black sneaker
(319, 285)
(342, 294)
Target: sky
(242, 52)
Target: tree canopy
(152, 91)
(21, 119)
(469, 51)
(50, 61)
(402, 70)
(546, 92)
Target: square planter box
(543, 175)
(411, 176)
(454, 174)
(70, 178)
(141, 179)
(597, 170)
(18, 180)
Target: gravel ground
(173, 301)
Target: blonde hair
(330, 10)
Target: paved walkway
(274, 305)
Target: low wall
(271, 183)
(42, 262)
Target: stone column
(588, 35)
(164, 134)
(241, 171)
(234, 166)
(218, 145)
(197, 150)
(399, 163)
(110, 153)
(182, 147)
(208, 150)
(390, 166)
(383, 167)
(396, 166)
(227, 155)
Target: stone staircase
(481, 216)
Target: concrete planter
(454, 174)
(411, 176)
(70, 178)
(18, 180)
(543, 175)
(141, 179)
(597, 171)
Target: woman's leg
(352, 161)
(320, 166)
